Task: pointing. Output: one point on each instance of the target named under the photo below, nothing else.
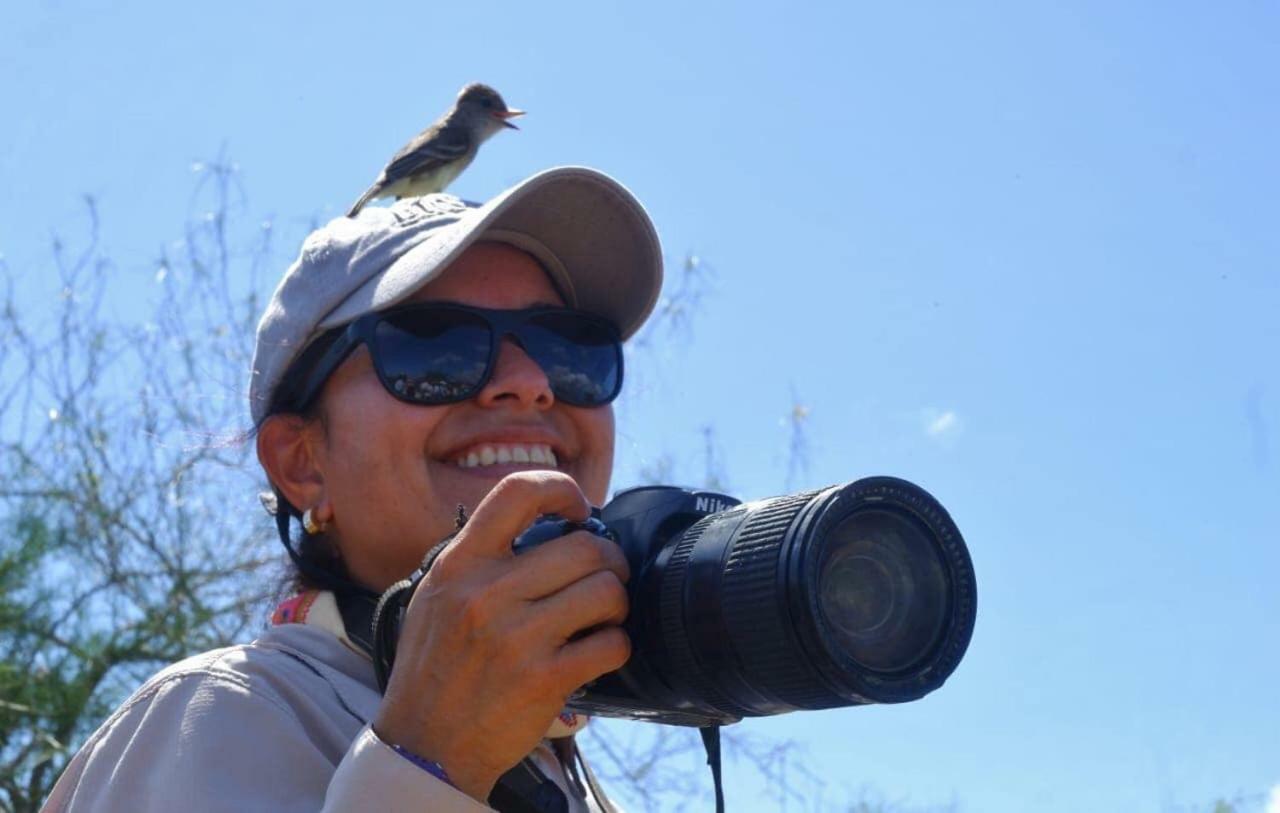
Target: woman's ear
(287, 449)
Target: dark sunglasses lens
(581, 356)
(432, 357)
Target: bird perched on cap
(440, 153)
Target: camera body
(642, 521)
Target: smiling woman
(416, 362)
(386, 473)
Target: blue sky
(1023, 254)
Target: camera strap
(525, 789)
(587, 776)
(711, 741)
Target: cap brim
(591, 223)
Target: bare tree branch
(116, 552)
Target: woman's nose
(516, 378)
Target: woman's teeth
(491, 454)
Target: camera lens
(882, 590)
(857, 593)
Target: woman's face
(391, 471)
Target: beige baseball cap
(592, 236)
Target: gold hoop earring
(309, 523)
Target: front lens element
(883, 590)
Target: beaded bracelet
(433, 768)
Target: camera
(848, 595)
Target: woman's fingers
(559, 563)
(598, 599)
(512, 506)
(581, 661)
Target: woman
(416, 362)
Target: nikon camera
(853, 594)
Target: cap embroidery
(413, 210)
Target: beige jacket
(281, 724)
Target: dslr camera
(848, 595)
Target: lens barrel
(858, 593)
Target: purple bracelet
(433, 768)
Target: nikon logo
(710, 505)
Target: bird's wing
(369, 194)
(432, 148)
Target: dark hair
(314, 561)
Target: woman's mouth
(507, 454)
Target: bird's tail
(369, 195)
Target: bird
(439, 154)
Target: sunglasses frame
(502, 324)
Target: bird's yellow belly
(426, 183)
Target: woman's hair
(316, 552)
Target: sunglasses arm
(336, 352)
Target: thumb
(512, 506)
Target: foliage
(120, 546)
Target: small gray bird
(441, 152)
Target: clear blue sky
(1024, 255)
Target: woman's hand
(493, 644)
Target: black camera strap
(357, 618)
(384, 624)
(525, 789)
(711, 741)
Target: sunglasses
(440, 353)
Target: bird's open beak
(505, 117)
